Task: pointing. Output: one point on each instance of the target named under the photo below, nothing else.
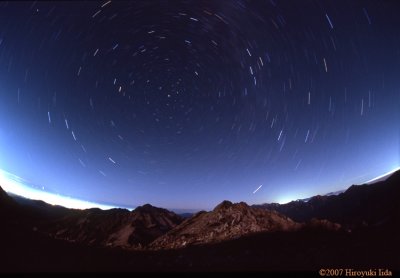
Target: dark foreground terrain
(292, 251)
(209, 241)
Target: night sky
(183, 104)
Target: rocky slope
(115, 227)
(227, 221)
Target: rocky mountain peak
(223, 205)
(148, 208)
(227, 221)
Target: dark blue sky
(183, 104)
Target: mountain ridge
(245, 238)
(149, 227)
(359, 205)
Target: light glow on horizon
(384, 175)
(287, 199)
(18, 186)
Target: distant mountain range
(360, 205)
(149, 227)
(355, 216)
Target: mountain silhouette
(358, 228)
(360, 205)
(114, 227)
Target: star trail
(183, 104)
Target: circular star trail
(183, 104)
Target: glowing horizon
(384, 175)
(18, 186)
